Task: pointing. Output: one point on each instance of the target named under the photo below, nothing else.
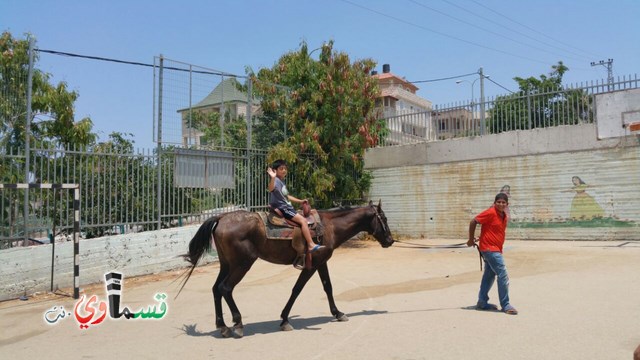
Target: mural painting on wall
(584, 211)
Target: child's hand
(271, 172)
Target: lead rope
(479, 254)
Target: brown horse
(240, 239)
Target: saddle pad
(278, 229)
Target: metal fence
(118, 190)
(569, 105)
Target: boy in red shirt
(492, 235)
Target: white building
(408, 115)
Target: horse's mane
(342, 208)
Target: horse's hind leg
(217, 301)
(226, 289)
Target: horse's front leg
(305, 275)
(323, 271)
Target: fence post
(482, 104)
(27, 134)
(159, 145)
(529, 109)
(222, 112)
(249, 125)
(76, 242)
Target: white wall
(438, 199)
(27, 270)
(434, 189)
(615, 110)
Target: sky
(421, 40)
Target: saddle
(279, 228)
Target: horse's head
(379, 226)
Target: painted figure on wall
(583, 205)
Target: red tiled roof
(385, 76)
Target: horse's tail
(199, 244)
(201, 241)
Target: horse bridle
(384, 227)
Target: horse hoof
(286, 327)
(342, 317)
(238, 331)
(225, 332)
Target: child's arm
(295, 199)
(272, 181)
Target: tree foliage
(235, 129)
(52, 119)
(52, 105)
(541, 102)
(319, 116)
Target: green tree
(321, 118)
(52, 119)
(541, 102)
(52, 105)
(235, 129)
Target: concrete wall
(615, 111)
(27, 270)
(560, 139)
(433, 190)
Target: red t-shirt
(492, 232)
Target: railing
(517, 111)
(118, 190)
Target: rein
(448, 246)
(422, 246)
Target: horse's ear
(370, 202)
(379, 204)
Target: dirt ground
(577, 300)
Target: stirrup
(299, 263)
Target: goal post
(76, 223)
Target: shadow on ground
(269, 327)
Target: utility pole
(609, 65)
(482, 119)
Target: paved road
(577, 300)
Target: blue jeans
(494, 267)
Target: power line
(511, 29)
(487, 30)
(441, 33)
(442, 79)
(488, 78)
(135, 63)
(92, 57)
(530, 28)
